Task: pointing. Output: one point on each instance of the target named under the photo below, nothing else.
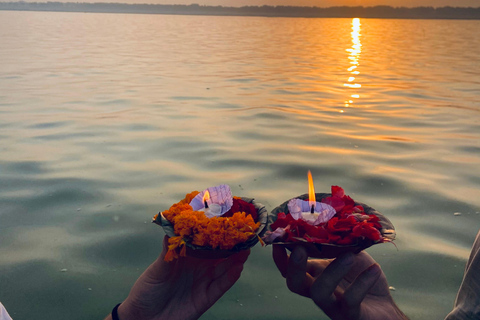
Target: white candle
(213, 210)
(310, 217)
(219, 200)
(301, 209)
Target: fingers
(357, 291)
(235, 261)
(362, 262)
(316, 267)
(298, 281)
(281, 259)
(323, 289)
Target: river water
(106, 119)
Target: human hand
(182, 289)
(351, 287)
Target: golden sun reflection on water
(354, 61)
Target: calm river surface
(106, 119)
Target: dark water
(106, 119)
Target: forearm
(400, 314)
(468, 297)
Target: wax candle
(310, 210)
(214, 201)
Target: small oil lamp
(310, 211)
(213, 201)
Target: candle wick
(313, 209)
(206, 204)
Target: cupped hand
(351, 287)
(182, 289)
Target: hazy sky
(317, 3)
(328, 3)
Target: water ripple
(110, 121)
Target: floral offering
(333, 226)
(211, 224)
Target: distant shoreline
(382, 12)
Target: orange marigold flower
(215, 231)
(182, 205)
(194, 227)
(186, 221)
(170, 255)
(200, 239)
(237, 229)
(176, 209)
(200, 236)
(243, 222)
(173, 244)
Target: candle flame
(311, 191)
(206, 196)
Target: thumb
(298, 281)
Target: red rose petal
(338, 192)
(336, 203)
(242, 206)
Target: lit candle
(211, 210)
(310, 211)
(214, 201)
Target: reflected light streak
(335, 150)
(355, 85)
(354, 59)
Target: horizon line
(246, 6)
(380, 11)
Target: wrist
(114, 314)
(123, 312)
(129, 311)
